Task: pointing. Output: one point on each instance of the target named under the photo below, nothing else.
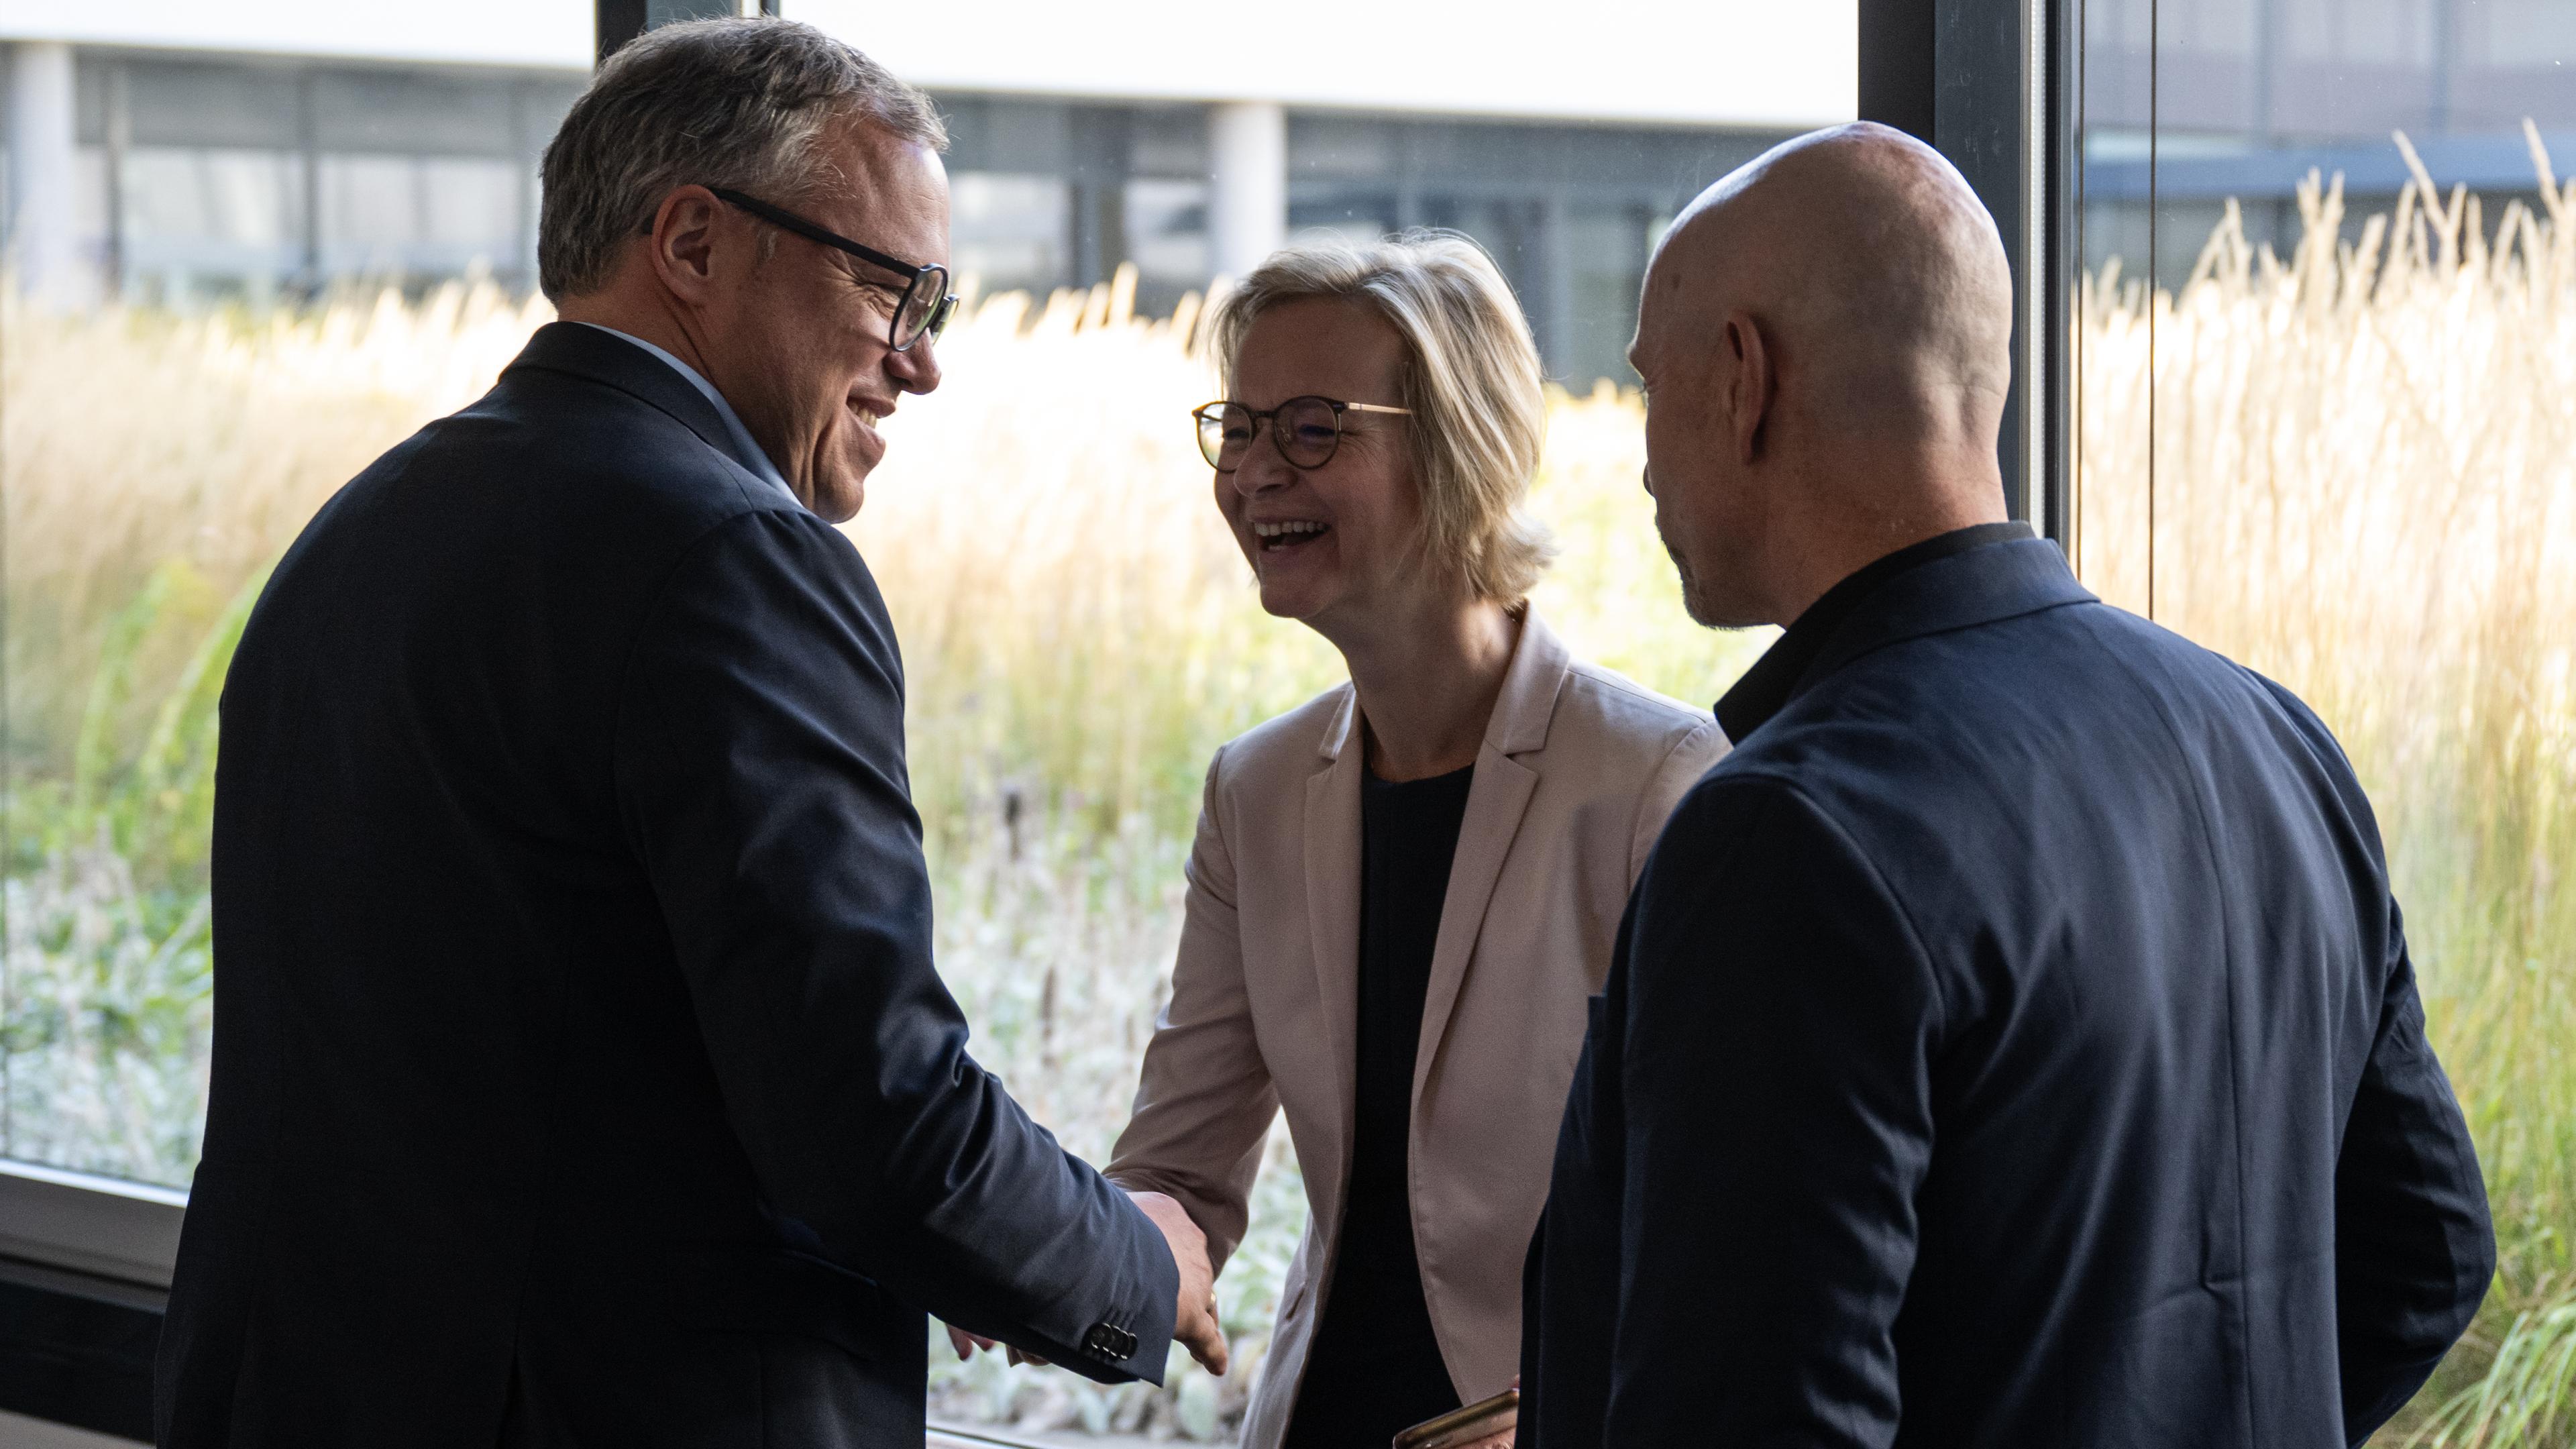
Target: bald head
(1828, 334)
(1871, 261)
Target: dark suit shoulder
(600, 443)
(1943, 755)
(772, 579)
(1967, 720)
(1727, 839)
(550, 486)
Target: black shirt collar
(1766, 687)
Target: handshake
(1194, 1323)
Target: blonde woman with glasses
(1403, 891)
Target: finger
(958, 1340)
(1206, 1343)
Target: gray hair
(733, 103)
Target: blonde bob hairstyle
(1471, 376)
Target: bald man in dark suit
(2013, 1041)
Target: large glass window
(2326, 253)
(2324, 360)
(278, 261)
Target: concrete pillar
(1248, 184)
(116, 140)
(42, 240)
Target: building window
(2317, 428)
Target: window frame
(85, 1268)
(1990, 84)
(99, 1227)
(1985, 81)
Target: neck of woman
(1427, 679)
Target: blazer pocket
(796, 1293)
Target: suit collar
(1959, 580)
(1522, 710)
(611, 361)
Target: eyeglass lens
(924, 308)
(1306, 431)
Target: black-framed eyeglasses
(1307, 431)
(926, 304)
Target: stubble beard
(1694, 601)
(1704, 611)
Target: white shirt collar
(743, 445)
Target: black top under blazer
(2011, 1043)
(580, 1072)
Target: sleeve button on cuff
(1114, 1344)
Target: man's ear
(684, 242)
(1748, 385)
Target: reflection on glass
(1167, 240)
(156, 468)
(1006, 233)
(1609, 248)
(2323, 362)
(273, 269)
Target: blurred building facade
(251, 154)
(175, 153)
(2244, 98)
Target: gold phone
(1465, 1426)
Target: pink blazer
(1578, 771)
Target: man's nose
(916, 368)
(1647, 477)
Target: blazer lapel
(1496, 801)
(1333, 913)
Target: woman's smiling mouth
(1289, 533)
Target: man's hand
(1194, 1324)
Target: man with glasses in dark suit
(581, 1072)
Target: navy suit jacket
(580, 1072)
(2011, 1043)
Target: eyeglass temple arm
(790, 221)
(1201, 410)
